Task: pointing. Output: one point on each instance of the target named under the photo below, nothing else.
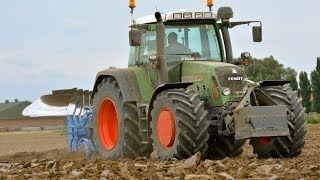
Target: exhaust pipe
(161, 55)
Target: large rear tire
(116, 125)
(179, 124)
(224, 146)
(289, 146)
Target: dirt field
(32, 122)
(53, 161)
(36, 141)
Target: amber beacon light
(132, 5)
(210, 4)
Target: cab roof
(176, 16)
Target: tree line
(308, 88)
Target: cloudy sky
(57, 44)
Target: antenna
(155, 5)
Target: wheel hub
(166, 128)
(108, 124)
(264, 141)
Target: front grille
(232, 78)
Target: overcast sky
(58, 44)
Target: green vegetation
(270, 69)
(315, 81)
(305, 90)
(313, 118)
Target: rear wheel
(289, 146)
(116, 125)
(179, 124)
(224, 146)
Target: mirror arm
(233, 24)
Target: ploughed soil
(47, 157)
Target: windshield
(184, 42)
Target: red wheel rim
(166, 128)
(108, 124)
(264, 141)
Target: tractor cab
(188, 36)
(194, 47)
(201, 36)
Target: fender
(164, 87)
(273, 83)
(127, 82)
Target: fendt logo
(234, 71)
(235, 78)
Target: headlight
(152, 57)
(226, 91)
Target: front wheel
(179, 124)
(288, 146)
(224, 146)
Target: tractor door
(147, 48)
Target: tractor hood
(198, 70)
(222, 82)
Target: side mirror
(257, 33)
(135, 37)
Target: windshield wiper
(180, 54)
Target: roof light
(177, 15)
(199, 15)
(210, 4)
(225, 13)
(132, 5)
(187, 15)
(208, 15)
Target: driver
(174, 46)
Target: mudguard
(126, 79)
(164, 87)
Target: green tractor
(182, 93)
